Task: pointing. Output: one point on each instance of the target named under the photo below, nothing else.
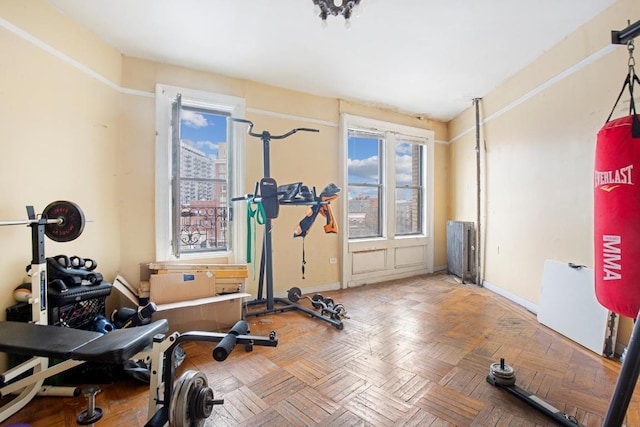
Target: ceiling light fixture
(324, 8)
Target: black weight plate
(72, 224)
(316, 300)
(294, 294)
(339, 310)
(203, 407)
(84, 419)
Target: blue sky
(363, 163)
(206, 131)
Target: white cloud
(403, 169)
(367, 169)
(364, 168)
(356, 193)
(193, 119)
(207, 145)
(209, 148)
(404, 148)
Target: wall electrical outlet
(333, 260)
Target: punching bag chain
(632, 61)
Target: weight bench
(190, 402)
(116, 347)
(188, 405)
(72, 346)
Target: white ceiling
(422, 57)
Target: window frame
(392, 133)
(420, 187)
(380, 185)
(235, 107)
(180, 180)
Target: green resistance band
(254, 216)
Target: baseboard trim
(334, 286)
(370, 280)
(512, 297)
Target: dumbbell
(126, 317)
(326, 305)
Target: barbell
(63, 221)
(327, 305)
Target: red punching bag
(617, 211)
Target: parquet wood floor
(415, 352)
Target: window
(388, 178)
(195, 165)
(409, 165)
(386, 172)
(364, 170)
(199, 176)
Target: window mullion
(176, 152)
(390, 185)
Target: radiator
(461, 240)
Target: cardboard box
(236, 271)
(232, 269)
(229, 278)
(175, 287)
(216, 314)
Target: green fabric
(254, 216)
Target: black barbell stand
(626, 34)
(265, 281)
(626, 383)
(61, 221)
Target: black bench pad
(118, 346)
(29, 339)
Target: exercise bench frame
(75, 347)
(40, 341)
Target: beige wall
(79, 124)
(60, 134)
(70, 134)
(308, 157)
(538, 164)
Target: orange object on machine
(323, 207)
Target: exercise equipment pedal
(226, 345)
